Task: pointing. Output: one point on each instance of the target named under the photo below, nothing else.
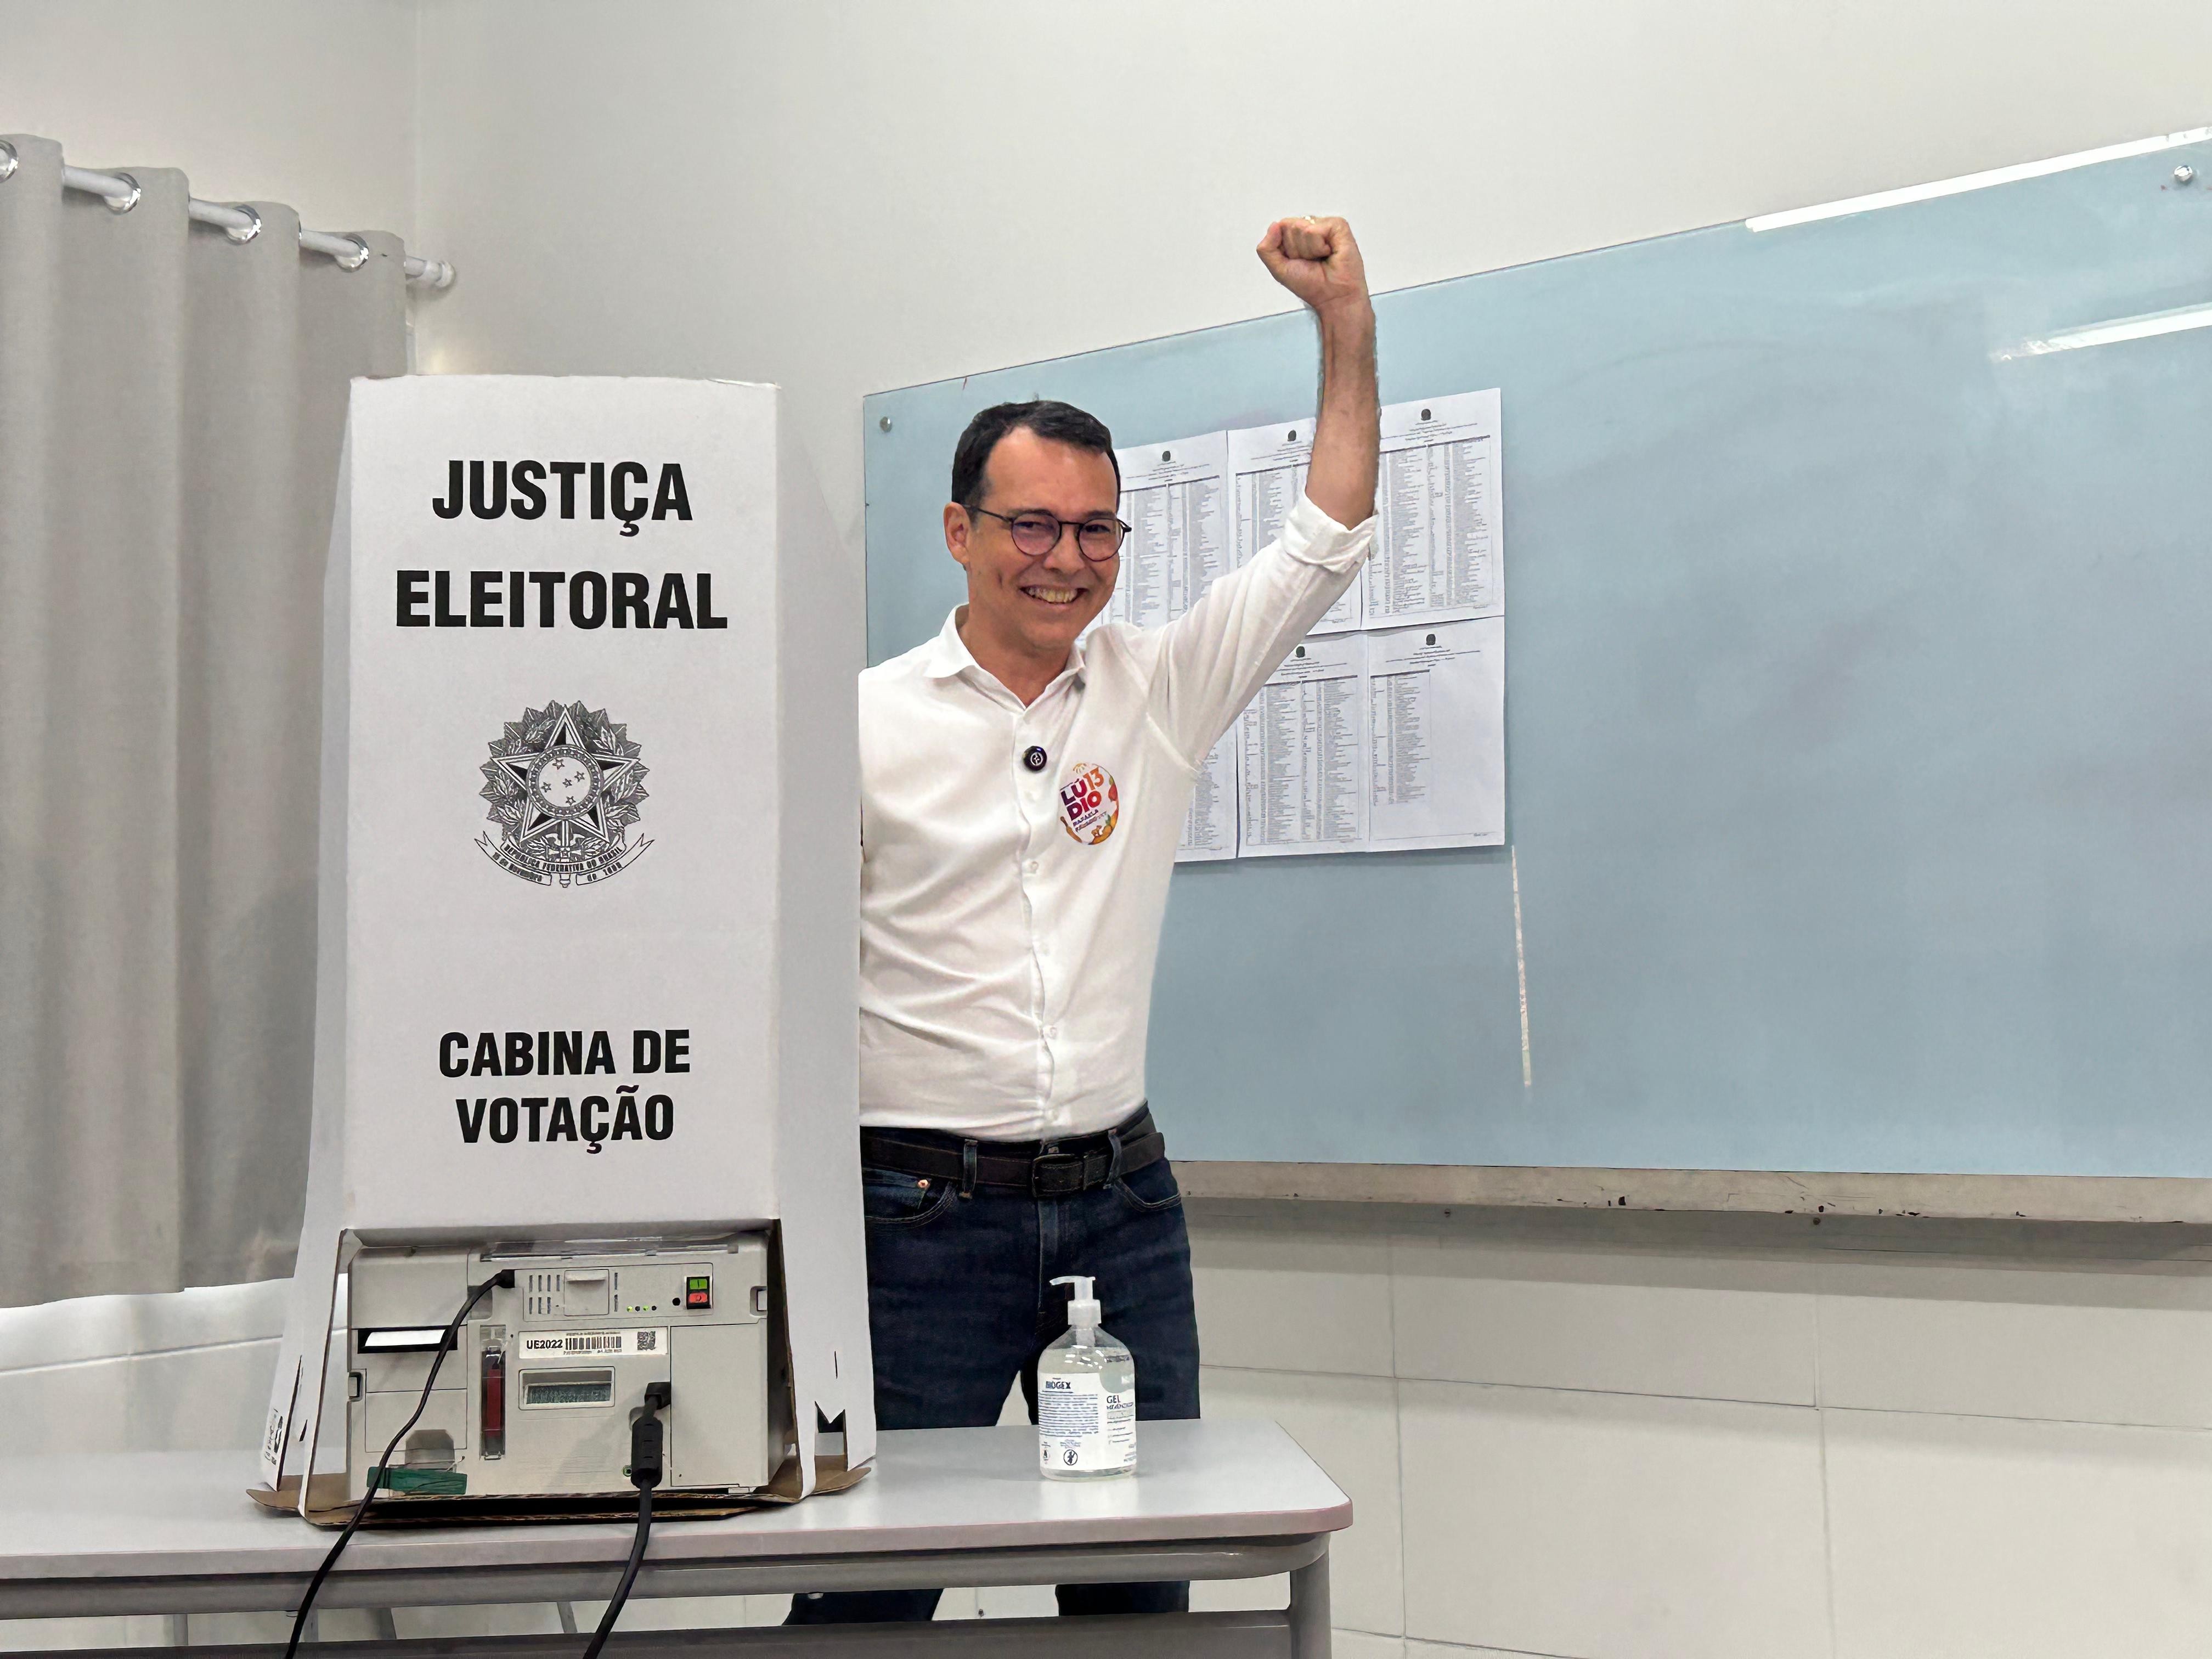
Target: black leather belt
(1037, 1168)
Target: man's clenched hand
(1317, 260)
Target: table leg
(565, 1612)
(1309, 1614)
(179, 1632)
(381, 1621)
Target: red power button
(698, 1293)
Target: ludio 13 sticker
(1090, 804)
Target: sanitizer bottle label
(1084, 1425)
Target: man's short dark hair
(1063, 423)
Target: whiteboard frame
(2146, 1200)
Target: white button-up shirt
(1010, 914)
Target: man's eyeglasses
(1036, 534)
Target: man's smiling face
(1032, 606)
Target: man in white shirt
(1022, 789)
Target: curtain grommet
(8, 160)
(358, 259)
(249, 230)
(124, 203)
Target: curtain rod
(241, 224)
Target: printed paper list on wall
(1305, 753)
(1209, 826)
(1436, 699)
(1386, 729)
(1175, 501)
(1435, 543)
(1268, 463)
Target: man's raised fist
(1316, 259)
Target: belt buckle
(1056, 1175)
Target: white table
(174, 1533)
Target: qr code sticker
(648, 1341)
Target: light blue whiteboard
(1859, 710)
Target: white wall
(848, 196)
(1610, 1436)
(260, 99)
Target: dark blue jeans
(961, 1301)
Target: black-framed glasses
(1036, 534)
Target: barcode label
(540, 1344)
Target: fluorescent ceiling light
(1975, 180)
(2120, 328)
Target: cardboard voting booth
(589, 859)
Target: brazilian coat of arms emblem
(564, 785)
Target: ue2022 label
(565, 785)
(1090, 804)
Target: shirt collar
(948, 653)
(949, 656)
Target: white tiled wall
(1586, 1435)
(1630, 1436)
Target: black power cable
(503, 1279)
(648, 1439)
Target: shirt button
(1031, 866)
(1035, 758)
(1052, 1031)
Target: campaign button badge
(1090, 804)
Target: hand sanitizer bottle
(1086, 1398)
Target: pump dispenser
(1086, 1400)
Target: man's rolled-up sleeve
(1218, 654)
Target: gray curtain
(171, 406)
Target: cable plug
(648, 1438)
